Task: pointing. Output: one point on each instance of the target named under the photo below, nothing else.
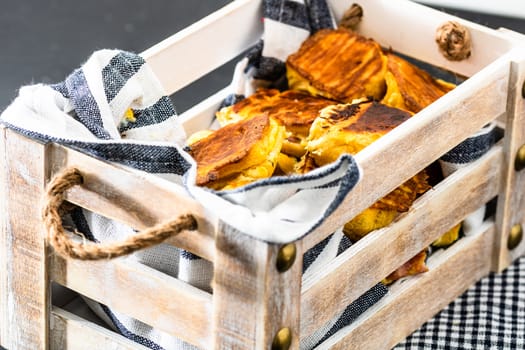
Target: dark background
(42, 41)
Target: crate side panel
(3, 239)
(417, 299)
(28, 297)
(71, 332)
(379, 253)
(205, 45)
(415, 27)
(421, 140)
(142, 293)
(137, 199)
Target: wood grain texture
(416, 299)
(378, 254)
(252, 300)
(511, 200)
(141, 292)
(202, 115)
(202, 47)
(415, 26)
(135, 198)
(68, 331)
(421, 140)
(3, 239)
(27, 288)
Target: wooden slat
(137, 199)
(27, 298)
(251, 299)
(142, 293)
(3, 239)
(206, 45)
(201, 116)
(511, 201)
(367, 262)
(415, 27)
(508, 8)
(71, 332)
(421, 140)
(417, 299)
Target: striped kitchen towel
(462, 155)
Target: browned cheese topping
(216, 152)
(417, 88)
(338, 64)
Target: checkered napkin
(489, 316)
(90, 112)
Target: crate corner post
(24, 294)
(510, 215)
(256, 302)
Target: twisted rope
(66, 246)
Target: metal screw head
(282, 340)
(519, 161)
(515, 236)
(286, 257)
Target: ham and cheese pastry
(294, 110)
(238, 153)
(409, 87)
(348, 128)
(338, 64)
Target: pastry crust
(409, 87)
(348, 128)
(338, 64)
(293, 109)
(238, 153)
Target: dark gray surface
(44, 40)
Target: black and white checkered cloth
(488, 316)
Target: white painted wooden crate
(273, 300)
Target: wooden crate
(244, 266)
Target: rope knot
(454, 41)
(351, 17)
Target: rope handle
(67, 247)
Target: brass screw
(515, 236)
(286, 257)
(282, 340)
(519, 161)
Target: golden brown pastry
(348, 128)
(293, 109)
(414, 266)
(338, 64)
(386, 209)
(238, 153)
(409, 87)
